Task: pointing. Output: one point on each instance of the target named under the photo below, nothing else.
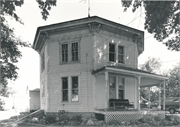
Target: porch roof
(129, 71)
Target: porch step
(33, 114)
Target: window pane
(64, 83)
(111, 47)
(111, 57)
(65, 95)
(121, 83)
(74, 51)
(74, 89)
(112, 53)
(121, 88)
(112, 82)
(74, 82)
(120, 59)
(112, 87)
(75, 95)
(120, 50)
(64, 52)
(121, 94)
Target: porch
(117, 82)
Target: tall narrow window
(120, 54)
(64, 52)
(74, 89)
(121, 88)
(74, 51)
(112, 54)
(42, 62)
(65, 89)
(112, 87)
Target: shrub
(77, 118)
(173, 120)
(63, 120)
(50, 119)
(164, 122)
(154, 123)
(144, 125)
(99, 123)
(157, 118)
(113, 122)
(135, 122)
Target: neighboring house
(34, 98)
(88, 61)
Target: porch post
(149, 97)
(94, 91)
(106, 89)
(164, 94)
(159, 96)
(139, 82)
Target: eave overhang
(90, 23)
(129, 71)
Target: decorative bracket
(139, 41)
(94, 28)
(44, 35)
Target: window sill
(72, 62)
(114, 63)
(70, 103)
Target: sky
(29, 64)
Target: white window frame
(114, 53)
(72, 89)
(121, 54)
(75, 51)
(65, 89)
(64, 53)
(69, 76)
(117, 85)
(69, 42)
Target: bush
(114, 122)
(63, 120)
(157, 118)
(164, 123)
(144, 125)
(50, 119)
(77, 118)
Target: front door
(112, 87)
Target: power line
(148, 37)
(136, 18)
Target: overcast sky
(71, 10)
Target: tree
(161, 19)
(10, 43)
(152, 65)
(173, 85)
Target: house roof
(85, 23)
(129, 70)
